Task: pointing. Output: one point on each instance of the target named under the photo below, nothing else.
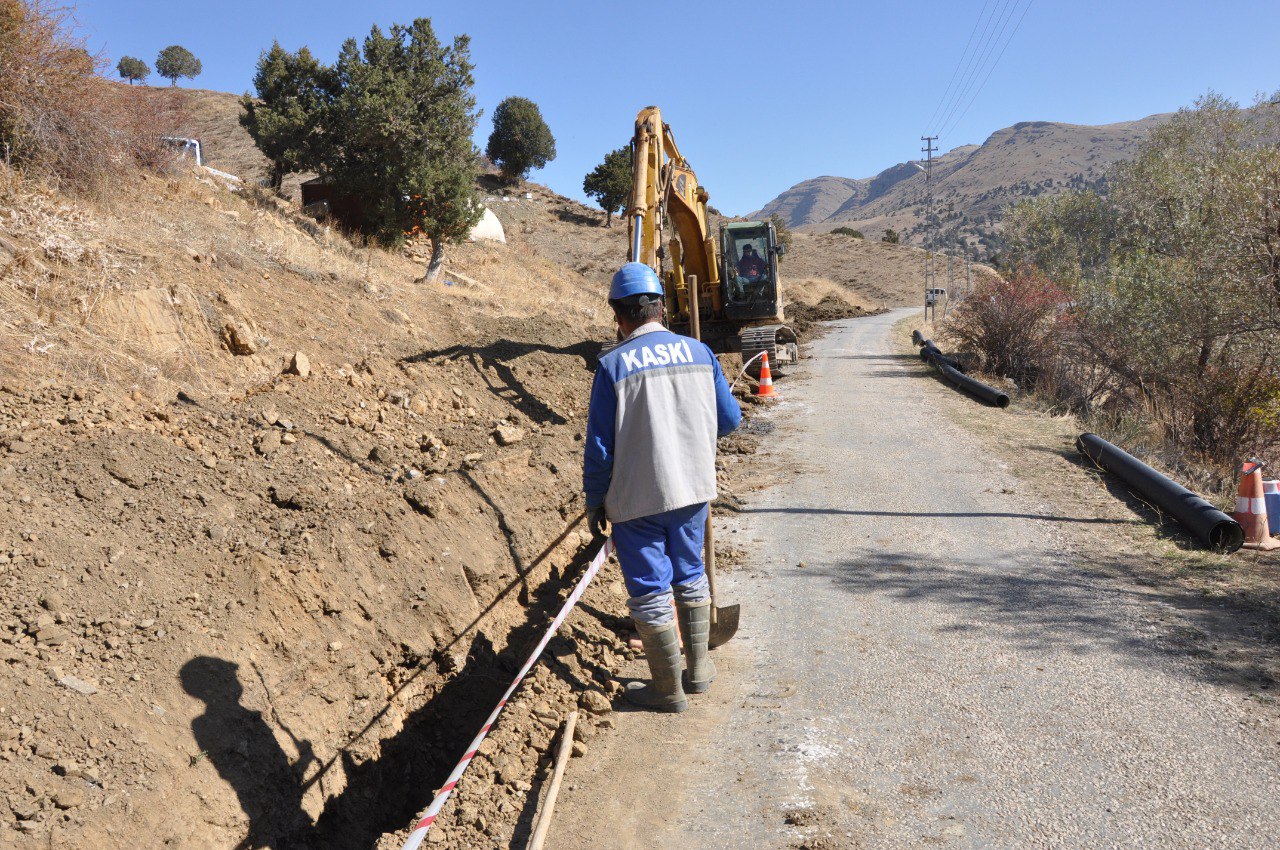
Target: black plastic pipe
(929, 349)
(977, 389)
(1213, 527)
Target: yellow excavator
(723, 290)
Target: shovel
(724, 621)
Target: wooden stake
(548, 807)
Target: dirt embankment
(242, 605)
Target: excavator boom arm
(664, 184)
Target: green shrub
(176, 61)
(610, 182)
(849, 231)
(521, 141)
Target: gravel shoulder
(933, 652)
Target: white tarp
(488, 228)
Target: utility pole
(950, 290)
(928, 150)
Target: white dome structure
(488, 228)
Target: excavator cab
(749, 256)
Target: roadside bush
(1174, 284)
(58, 118)
(782, 233)
(849, 231)
(890, 236)
(1018, 325)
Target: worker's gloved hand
(598, 522)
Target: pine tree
(285, 118)
(521, 141)
(610, 182)
(399, 135)
(132, 69)
(176, 61)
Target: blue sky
(762, 95)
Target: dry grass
(889, 275)
(58, 118)
(135, 288)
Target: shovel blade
(724, 625)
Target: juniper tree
(286, 116)
(132, 69)
(521, 141)
(609, 183)
(399, 136)
(176, 61)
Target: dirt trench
(274, 619)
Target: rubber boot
(662, 650)
(695, 624)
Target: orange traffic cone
(765, 388)
(1251, 509)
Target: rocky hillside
(973, 183)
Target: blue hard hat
(634, 279)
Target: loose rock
(238, 338)
(300, 365)
(507, 435)
(596, 703)
(78, 685)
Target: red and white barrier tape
(429, 816)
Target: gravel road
(919, 664)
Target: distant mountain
(972, 184)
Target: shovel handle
(709, 559)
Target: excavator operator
(752, 267)
(658, 403)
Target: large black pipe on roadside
(977, 389)
(929, 349)
(1213, 527)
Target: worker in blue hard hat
(658, 404)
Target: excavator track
(779, 340)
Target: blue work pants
(660, 554)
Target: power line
(978, 91)
(1001, 18)
(971, 64)
(955, 71)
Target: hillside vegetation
(1155, 309)
(972, 184)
